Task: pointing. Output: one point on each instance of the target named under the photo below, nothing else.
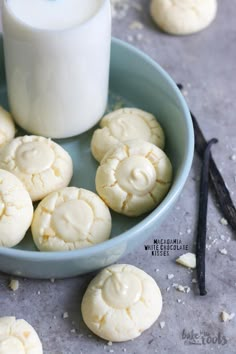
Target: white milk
(53, 14)
(57, 55)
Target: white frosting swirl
(72, 220)
(126, 126)
(136, 175)
(122, 290)
(34, 157)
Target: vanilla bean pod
(202, 218)
(221, 191)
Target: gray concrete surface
(205, 64)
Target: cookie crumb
(223, 251)
(170, 276)
(136, 25)
(223, 221)
(162, 324)
(139, 36)
(120, 9)
(109, 343)
(65, 315)
(187, 289)
(187, 260)
(182, 288)
(14, 285)
(225, 317)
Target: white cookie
(42, 165)
(121, 302)
(126, 124)
(7, 127)
(69, 219)
(182, 17)
(16, 210)
(134, 177)
(18, 337)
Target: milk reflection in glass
(57, 55)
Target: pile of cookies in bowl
(133, 177)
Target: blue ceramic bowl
(140, 82)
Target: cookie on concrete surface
(134, 177)
(126, 124)
(181, 17)
(42, 165)
(121, 302)
(18, 337)
(16, 210)
(7, 127)
(69, 219)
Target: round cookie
(121, 302)
(126, 124)
(181, 17)
(134, 177)
(42, 165)
(16, 210)
(7, 127)
(18, 336)
(69, 219)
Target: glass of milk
(57, 55)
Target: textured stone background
(205, 64)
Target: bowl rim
(151, 217)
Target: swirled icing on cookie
(134, 177)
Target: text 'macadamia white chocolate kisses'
(57, 56)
